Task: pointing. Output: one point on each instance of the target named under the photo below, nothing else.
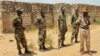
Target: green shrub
(97, 21)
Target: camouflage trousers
(61, 38)
(20, 39)
(75, 31)
(84, 37)
(42, 36)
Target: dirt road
(8, 47)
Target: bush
(97, 21)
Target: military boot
(44, 47)
(72, 39)
(27, 51)
(59, 44)
(62, 44)
(19, 52)
(40, 47)
(76, 40)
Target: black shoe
(76, 41)
(44, 48)
(20, 53)
(40, 48)
(63, 45)
(28, 52)
(72, 40)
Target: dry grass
(9, 48)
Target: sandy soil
(8, 47)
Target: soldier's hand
(24, 28)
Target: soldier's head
(63, 10)
(19, 12)
(42, 12)
(85, 12)
(75, 10)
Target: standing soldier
(75, 27)
(84, 21)
(41, 22)
(19, 32)
(62, 27)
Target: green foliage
(31, 28)
(97, 21)
(50, 25)
(31, 45)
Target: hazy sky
(93, 2)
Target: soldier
(62, 27)
(41, 22)
(75, 27)
(19, 32)
(84, 21)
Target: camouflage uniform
(75, 28)
(19, 33)
(62, 29)
(41, 22)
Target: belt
(85, 27)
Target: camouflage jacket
(62, 23)
(41, 23)
(73, 19)
(18, 23)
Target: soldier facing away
(75, 27)
(41, 23)
(19, 32)
(62, 27)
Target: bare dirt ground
(8, 47)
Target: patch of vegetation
(31, 28)
(31, 46)
(97, 21)
(49, 41)
(50, 25)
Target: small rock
(11, 40)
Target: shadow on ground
(26, 55)
(32, 54)
(92, 51)
(68, 45)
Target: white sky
(92, 2)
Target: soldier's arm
(78, 20)
(89, 22)
(72, 20)
(59, 22)
(21, 21)
(13, 24)
(36, 22)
